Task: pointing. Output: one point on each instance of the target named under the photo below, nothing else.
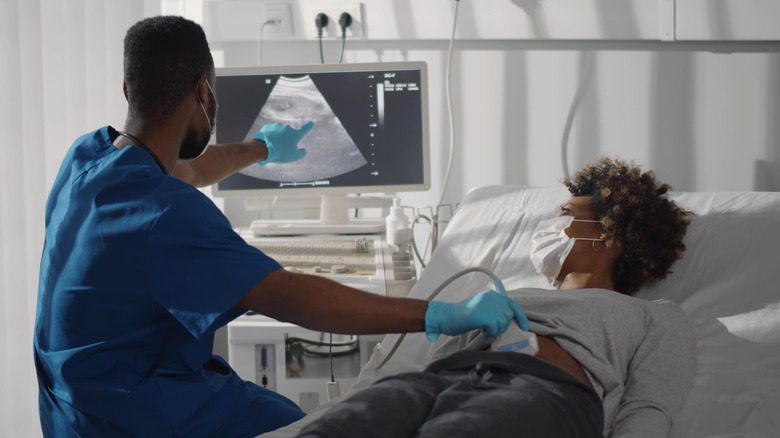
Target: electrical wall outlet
(281, 15)
(333, 10)
(242, 20)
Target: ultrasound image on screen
(368, 126)
(330, 150)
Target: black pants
(469, 394)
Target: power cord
(434, 229)
(321, 21)
(330, 356)
(449, 105)
(332, 387)
(345, 20)
(586, 63)
(273, 207)
(262, 29)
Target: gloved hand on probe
(489, 310)
(282, 142)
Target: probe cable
(432, 296)
(421, 257)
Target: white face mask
(193, 146)
(550, 246)
(212, 123)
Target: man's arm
(321, 304)
(275, 143)
(324, 305)
(220, 161)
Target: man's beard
(194, 144)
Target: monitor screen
(370, 131)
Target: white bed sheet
(727, 282)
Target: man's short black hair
(164, 58)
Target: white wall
(701, 114)
(703, 119)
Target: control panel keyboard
(356, 261)
(336, 257)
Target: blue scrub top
(138, 271)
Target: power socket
(281, 15)
(333, 10)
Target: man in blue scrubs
(139, 268)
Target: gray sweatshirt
(639, 355)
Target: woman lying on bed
(608, 364)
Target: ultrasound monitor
(370, 135)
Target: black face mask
(195, 144)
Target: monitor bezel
(329, 68)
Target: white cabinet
(727, 20)
(538, 20)
(241, 20)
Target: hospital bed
(727, 282)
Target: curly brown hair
(636, 216)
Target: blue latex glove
(282, 142)
(489, 310)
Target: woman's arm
(660, 377)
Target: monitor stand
(333, 220)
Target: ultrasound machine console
(370, 136)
